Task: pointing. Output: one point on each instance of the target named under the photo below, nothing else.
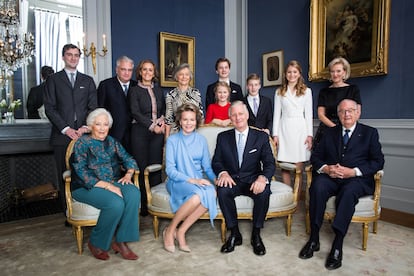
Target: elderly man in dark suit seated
(344, 163)
(244, 164)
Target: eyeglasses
(344, 111)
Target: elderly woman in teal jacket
(99, 181)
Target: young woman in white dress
(292, 119)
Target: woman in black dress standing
(147, 105)
(329, 97)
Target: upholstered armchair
(283, 200)
(367, 210)
(80, 214)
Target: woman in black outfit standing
(329, 97)
(147, 105)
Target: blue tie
(255, 106)
(346, 136)
(240, 148)
(125, 89)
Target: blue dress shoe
(308, 249)
(334, 259)
(231, 242)
(258, 246)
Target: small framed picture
(272, 68)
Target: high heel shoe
(168, 248)
(123, 248)
(97, 252)
(184, 247)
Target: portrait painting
(174, 50)
(357, 30)
(272, 68)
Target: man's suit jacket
(112, 97)
(257, 157)
(264, 118)
(35, 101)
(62, 102)
(236, 93)
(363, 151)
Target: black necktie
(346, 136)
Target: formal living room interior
(257, 36)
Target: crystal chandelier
(16, 48)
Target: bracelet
(131, 173)
(107, 186)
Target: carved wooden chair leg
(288, 225)
(307, 222)
(223, 230)
(79, 239)
(364, 235)
(155, 223)
(375, 227)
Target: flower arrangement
(12, 106)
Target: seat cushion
(281, 199)
(364, 208)
(83, 211)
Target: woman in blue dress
(97, 180)
(187, 161)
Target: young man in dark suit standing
(244, 163)
(223, 72)
(68, 99)
(344, 163)
(112, 95)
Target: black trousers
(347, 193)
(227, 203)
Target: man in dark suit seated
(244, 164)
(344, 163)
(112, 95)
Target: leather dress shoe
(231, 242)
(98, 253)
(334, 259)
(126, 253)
(258, 246)
(308, 249)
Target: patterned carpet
(44, 246)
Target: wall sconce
(92, 51)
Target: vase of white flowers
(9, 114)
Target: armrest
(150, 169)
(136, 178)
(287, 166)
(68, 192)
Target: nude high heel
(168, 248)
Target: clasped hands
(75, 134)
(225, 180)
(339, 171)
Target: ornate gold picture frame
(355, 30)
(174, 50)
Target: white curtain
(53, 31)
(75, 36)
(47, 40)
